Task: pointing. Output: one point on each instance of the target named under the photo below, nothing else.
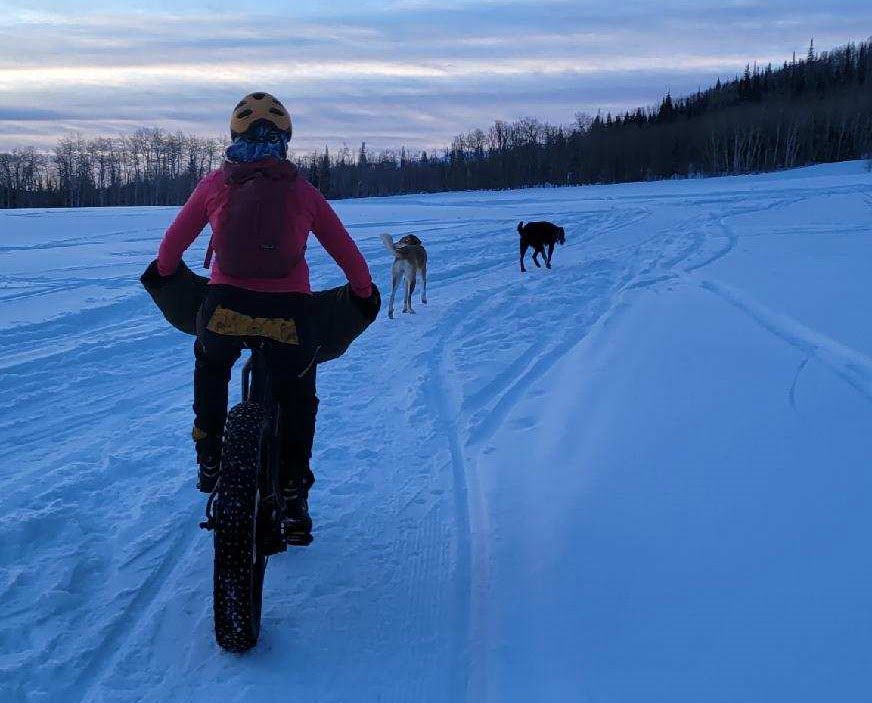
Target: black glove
(370, 306)
(152, 278)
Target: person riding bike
(261, 212)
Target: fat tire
(239, 567)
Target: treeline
(149, 167)
(812, 110)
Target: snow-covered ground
(641, 476)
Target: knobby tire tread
(238, 576)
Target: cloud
(414, 71)
(28, 114)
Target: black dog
(537, 235)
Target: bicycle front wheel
(239, 566)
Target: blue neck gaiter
(256, 144)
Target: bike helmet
(257, 109)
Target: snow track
(638, 476)
(852, 366)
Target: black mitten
(370, 306)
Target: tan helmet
(258, 107)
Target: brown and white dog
(410, 258)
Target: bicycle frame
(255, 379)
(256, 389)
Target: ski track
(454, 372)
(852, 366)
(471, 576)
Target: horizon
(409, 73)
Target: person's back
(238, 252)
(261, 212)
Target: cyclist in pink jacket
(261, 212)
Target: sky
(410, 73)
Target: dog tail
(521, 227)
(389, 242)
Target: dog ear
(521, 227)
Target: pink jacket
(312, 213)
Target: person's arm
(190, 221)
(335, 239)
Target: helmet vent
(277, 112)
(258, 96)
(244, 113)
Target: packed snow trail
(642, 475)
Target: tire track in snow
(852, 366)
(470, 679)
(525, 370)
(720, 221)
(467, 487)
(468, 672)
(509, 387)
(515, 385)
(113, 647)
(792, 393)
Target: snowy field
(641, 476)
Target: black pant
(291, 365)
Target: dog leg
(424, 284)
(396, 275)
(524, 247)
(410, 288)
(549, 255)
(536, 253)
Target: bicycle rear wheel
(239, 563)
